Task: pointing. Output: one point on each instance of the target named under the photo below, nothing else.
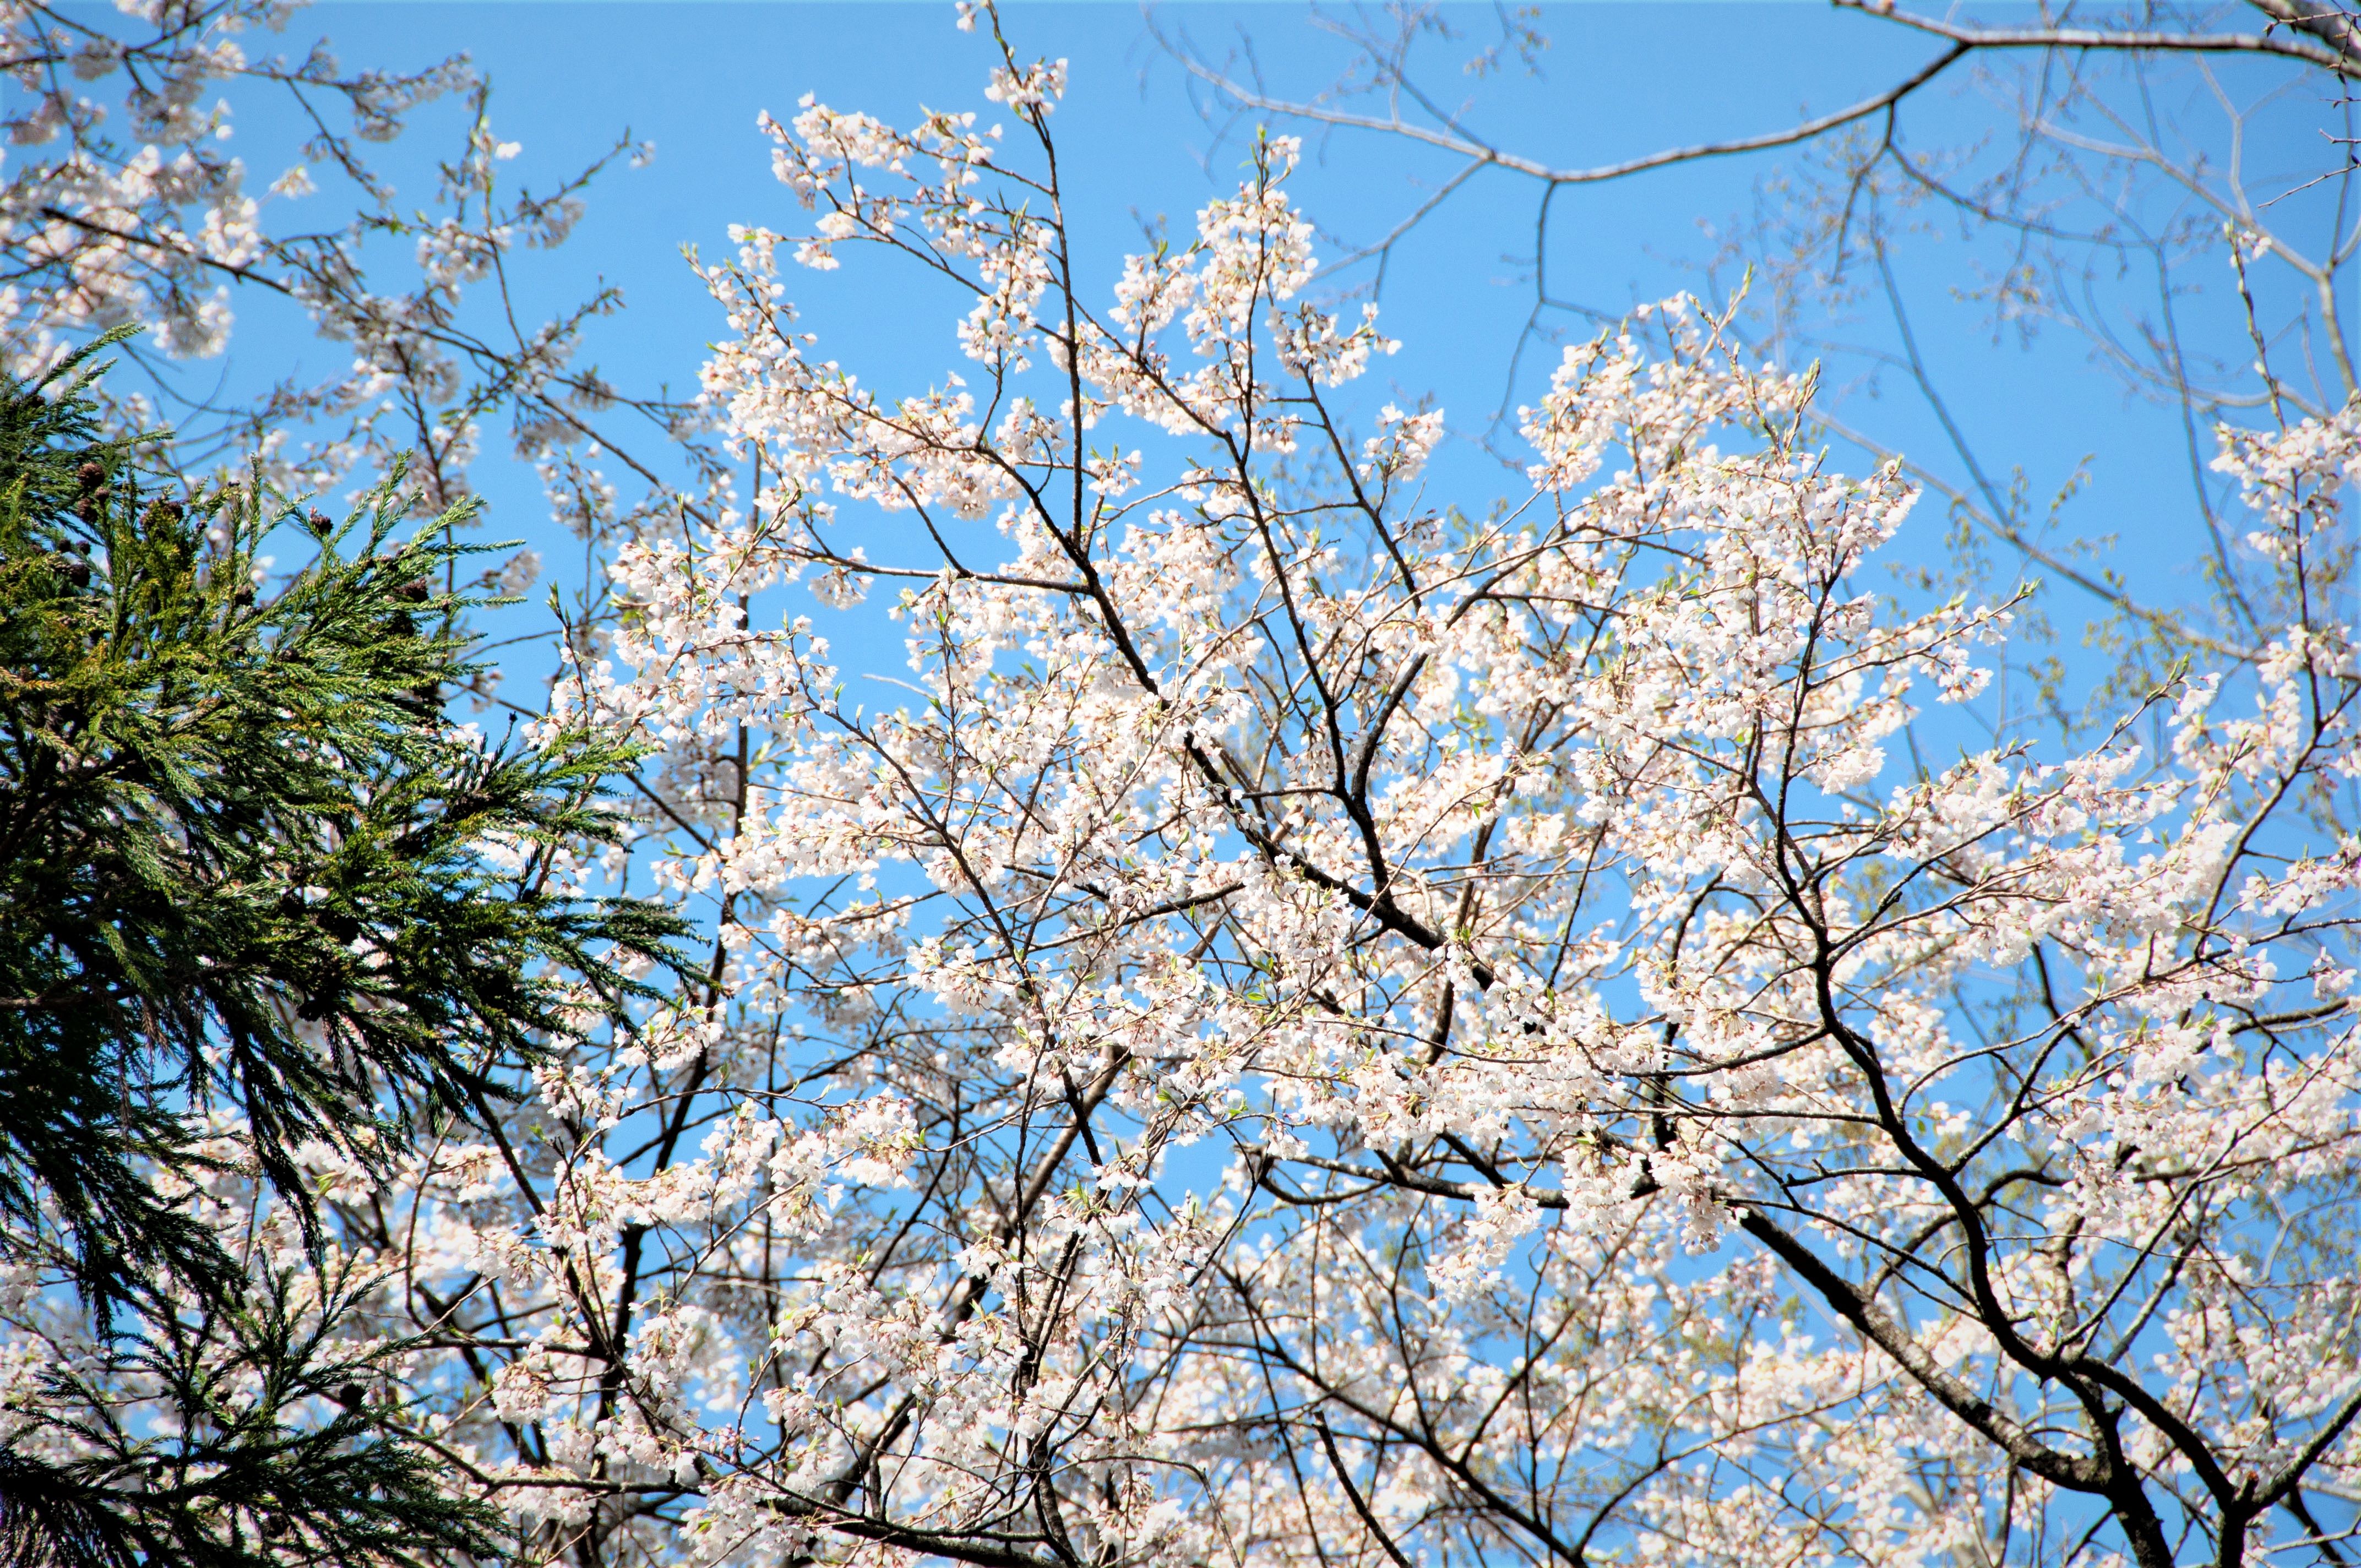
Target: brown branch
(2323, 21)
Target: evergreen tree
(258, 896)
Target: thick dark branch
(1344, 1479)
(1873, 1323)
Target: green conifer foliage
(252, 879)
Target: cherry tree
(1323, 1022)
(1325, 1018)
